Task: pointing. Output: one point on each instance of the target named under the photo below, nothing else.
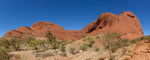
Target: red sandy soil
(141, 51)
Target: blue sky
(70, 14)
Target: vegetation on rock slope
(111, 44)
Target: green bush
(69, 42)
(55, 45)
(97, 49)
(97, 37)
(36, 44)
(72, 50)
(5, 43)
(113, 42)
(124, 42)
(52, 40)
(50, 37)
(28, 39)
(4, 54)
(111, 36)
(113, 46)
(83, 47)
(84, 36)
(90, 44)
(133, 41)
(145, 38)
(88, 38)
(13, 44)
(63, 48)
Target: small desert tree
(50, 37)
(52, 40)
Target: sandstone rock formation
(40, 28)
(127, 24)
(12, 33)
(24, 29)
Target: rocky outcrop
(127, 24)
(40, 29)
(12, 33)
(24, 29)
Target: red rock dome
(127, 24)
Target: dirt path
(142, 52)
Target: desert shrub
(97, 49)
(89, 39)
(5, 43)
(83, 47)
(84, 36)
(4, 54)
(63, 48)
(55, 45)
(113, 42)
(50, 37)
(16, 43)
(72, 50)
(52, 40)
(90, 44)
(36, 44)
(133, 41)
(124, 42)
(145, 38)
(111, 36)
(28, 39)
(13, 44)
(113, 46)
(69, 42)
(97, 37)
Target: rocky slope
(127, 24)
